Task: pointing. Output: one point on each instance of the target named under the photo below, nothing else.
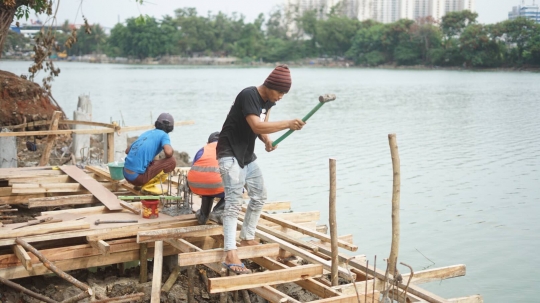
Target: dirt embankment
(22, 100)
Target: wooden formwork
(286, 238)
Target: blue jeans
(234, 178)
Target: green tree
(478, 48)
(138, 39)
(519, 36)
(89, 42)
(335, 35)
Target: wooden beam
(299, 217)
(110, 147)
(310, 284)
(267, 292)
(62, 200)
(101, 245)
(52, 188)
(367, 298)
(42, 180)
(308, 232)
(84, 262)
(437, 274)
(23, 256)
(172, 278)
(218, 255)
(469, 299)
(41, 229)
(156, 276)
(309, 257)
(281, 276)
(181, 232)
(29, 173)
(50, 139)
(5, 191)
(16, 199)
(93, 210)
(272, 206)
(100, 192)
(143, 261)
(132, 230)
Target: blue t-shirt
(145, 149)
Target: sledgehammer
(322, 100)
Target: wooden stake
(50, 139)
(143, 260)
(333, 223)
(110, 147)
(156, 277)
(394, 249)
(171, 280)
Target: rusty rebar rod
(365, 291)
(26, 291)
(55, 269)
(410, 278)
(375, 270)
(77, 298)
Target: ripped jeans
(234, 178)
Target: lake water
(469, 144)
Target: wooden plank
(62, 200)
(30, 173)
(370, 297)
(273, 206)
(93, 210)
(310, 285)
(311, 233)
(469, 299)
(23, 256)
(42, 180)
(145, 127)
(132, 230)
(437, 274)
(25, 188)
(50, 139)
(182, 232)
(101, 193)
(267, 292)
(156, 276)
(110, 147)
(106, 175)
(299, 217)
(16, 199)
(101, 245)
(5, 191)
(41, 229)
(230, 283)
(218, 255)
(84, 262)
(70, 252)
(309, 257)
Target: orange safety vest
(204, 178)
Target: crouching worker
(204, 180)
(140, 168)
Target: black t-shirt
(236, 138)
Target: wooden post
(50, 139)
(394, 250)
(156, 276)
(191, 279)
(143, 260)
(333, 224)
(110, 147)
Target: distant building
(531, 11)
(384, 11)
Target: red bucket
(150, 209)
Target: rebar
(354, 281)
(410, 278)
(374, 270)
(365, 291)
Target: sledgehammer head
(327, 98)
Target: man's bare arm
(168, 151)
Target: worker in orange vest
(204, 179)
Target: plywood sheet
(99, 191)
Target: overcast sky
(108, 12)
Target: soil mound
(22, 100)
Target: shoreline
(315, 63)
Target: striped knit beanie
(279, 79)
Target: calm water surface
(469, 144)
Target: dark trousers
(166, 165)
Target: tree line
(457, 40)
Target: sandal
(243, 270)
